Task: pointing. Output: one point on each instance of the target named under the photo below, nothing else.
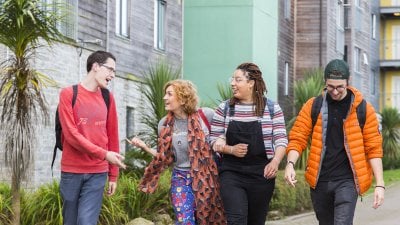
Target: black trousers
(246, 198)
(335, 202)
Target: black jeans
(335, 202)
(246, 199)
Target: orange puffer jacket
(360, 145)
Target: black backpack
(58, 129)
(361, 111)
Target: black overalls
(245, 191)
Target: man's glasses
(339, 88)
(110, 69)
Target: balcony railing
(390, 49)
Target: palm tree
(155, 78)
(391, 137)
(24, 25)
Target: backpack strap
(204, 118)
(361, 113)
(271, 107)
(268, 102)
(74, 94)
(106, 96)
(315, 109)
(226, 108)
(59, 128)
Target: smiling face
(171, 101)
(105, 72)
(242, 87)
(337, 89)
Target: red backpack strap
(204, 118)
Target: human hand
(115, 158)
(137, 142)
(379, 196)
(112, 187)
(239, 150)
(271, 169)
(290, 175)
(219, 145)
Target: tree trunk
(16, 202)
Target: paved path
(387, 214)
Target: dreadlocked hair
(253, 72)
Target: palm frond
(391, 133)
(155, 78)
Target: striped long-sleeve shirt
(273, 129)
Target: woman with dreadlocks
(184, 142)
(249, 131)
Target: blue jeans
(82, 196)
(335, 202)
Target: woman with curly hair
(183, 143)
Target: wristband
(231, 150)
(380, 187)
(290, 162)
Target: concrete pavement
(387, 214)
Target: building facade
(219, 35)
(390, 53)
(325, 30)
(138, 32)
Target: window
(357, 59)
(286, 79)
(373, 26)
(68, 10)
(340, 28)
(372, 85)
(287, 7)
(130, 122)
(122, 18)
(159, 25)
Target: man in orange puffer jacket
(342, 156)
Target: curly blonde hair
(185, 92)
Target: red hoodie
(87, 133)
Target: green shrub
(138, 204)
(5, 204)
(288, 200)
(391, 137)
(42, 207)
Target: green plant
(288, 200)
(24, 26)
(112, 210)
(154, 79)
(5, 204)
(391, 137)
(309, 87)
(44, 206)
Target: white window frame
(287, 9)
(286, 90)
(372, 79)
(122, 18)
(160, 7)
(357, 60)
(68, 9)
(373, 26)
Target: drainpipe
(320, 33)
(107, 26)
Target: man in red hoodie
(90, 143)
